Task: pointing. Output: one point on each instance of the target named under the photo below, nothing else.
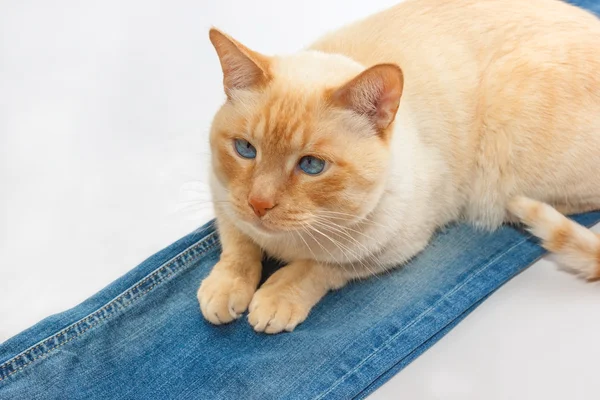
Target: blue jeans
(590, 5)
(143, 336)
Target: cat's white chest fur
(417, 196)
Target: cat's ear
(375, 93)
(242, 67)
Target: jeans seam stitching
(101, 319)
(415, 320)
(489, 258)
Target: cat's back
(482, 77)
(462, 28)
(444, 47)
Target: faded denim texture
(143, 336)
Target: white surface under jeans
(104, 114)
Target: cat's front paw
(272, 310)
(224, 296)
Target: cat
(343, 159)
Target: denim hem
(135, 292)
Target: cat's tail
(576, 247)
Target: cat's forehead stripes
(285, 122)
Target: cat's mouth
(273, 224)
(267, 227)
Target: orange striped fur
(576, 247)
(426, 113)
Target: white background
(104, 113)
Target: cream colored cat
(343, 159)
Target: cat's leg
(576, 247)
(226, 292)
(287, 297)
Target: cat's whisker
(353, 239)
(344, 250)
(307, 230)
(191, 210)
(338, 230)
(307, 246)
(334, 215)
(328, 228)
(346, 228)
(201, 202)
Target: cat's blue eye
(244, 148)
(311, 165)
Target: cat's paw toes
(271, 312)
(224, 297)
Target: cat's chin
(265, 229)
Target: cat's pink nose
(260, 205)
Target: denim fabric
(590, 5)
(143, 336)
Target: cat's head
(302, 139)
